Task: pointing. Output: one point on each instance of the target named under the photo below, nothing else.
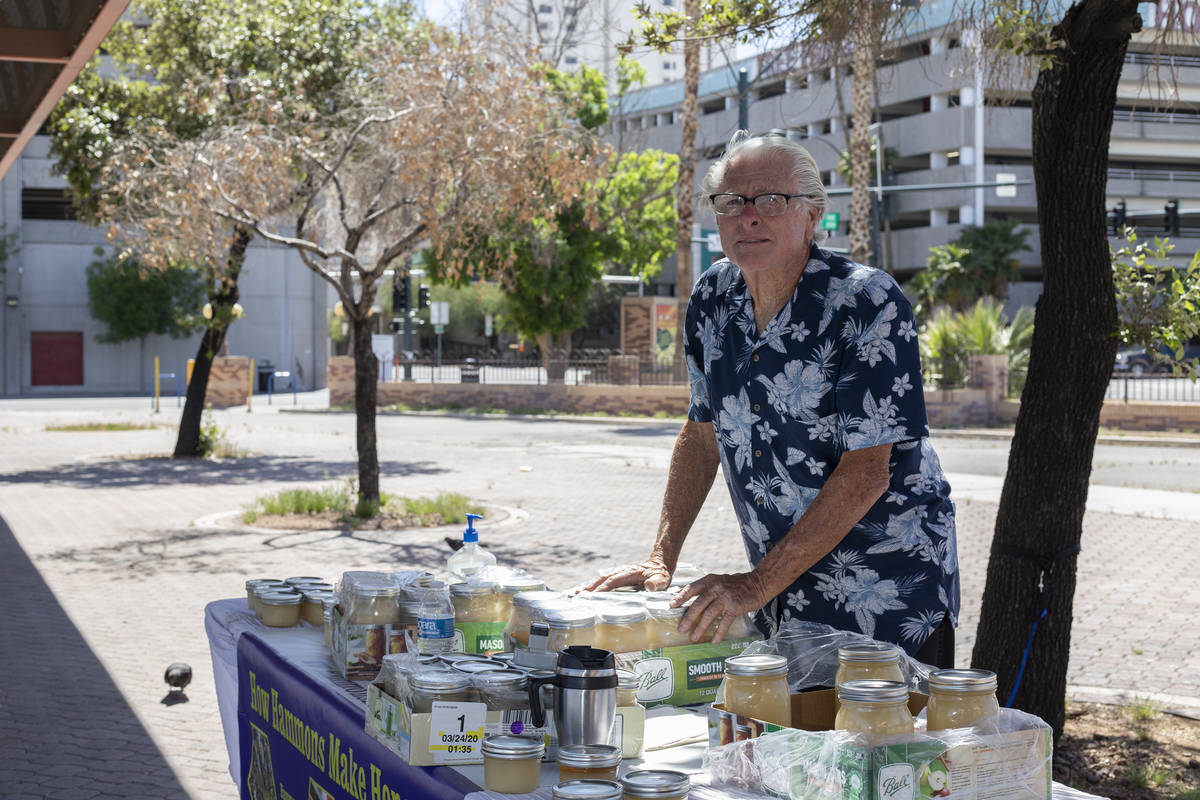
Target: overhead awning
(43, 46)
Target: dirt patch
(1104, 751)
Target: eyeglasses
(727, 204)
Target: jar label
(485, 638)
(456, 731)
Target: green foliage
(186, 71)
(1021, 31)
(584, 93)
(980, 262)
(133, 302)
(340, 499)
(1145, 777)
(1143, 709)
(210, 435)
(471, 303)
(1156, 303)
(8, 249)
(92, 427)
(553, 263)
(447, 506)
(305, 501)
(947, 339)
(339, 329)
(629, 74)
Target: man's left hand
(719, 599)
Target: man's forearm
(855, 485)
(694, 463)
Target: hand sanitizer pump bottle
(471, 558)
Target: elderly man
(806, 389)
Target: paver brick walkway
(107, 562)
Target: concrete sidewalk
(111, 555)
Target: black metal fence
(571, 371)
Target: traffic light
(1118, 218)
(399, 292)
(423, 297)
(1171, 218)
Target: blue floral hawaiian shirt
(837, 369)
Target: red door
(56, 358)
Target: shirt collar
(808, 298)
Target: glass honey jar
(756, 686)
(622, 628)
(579, 762)
(958, 698)
(874, 708)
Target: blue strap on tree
(1042, 607)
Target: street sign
(439, 329)
(1006, 184)
(439, 312)
(829, 222)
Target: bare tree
(445, 133)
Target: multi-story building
(571, 33)
(946, 127)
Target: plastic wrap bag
(812, 653)
(373, 597)
(1004, 757)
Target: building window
(543, 26)
(668, 65)
(571, 60)
(52, 204)
(669, 3)
(545, 9)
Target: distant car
(1137, 361)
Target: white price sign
(456, 731)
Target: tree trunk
(860, 133)
(685, 185)
(222, 299)
(366, 375)
(1040, 521)
(556, 354)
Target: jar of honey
(568, 626)
(874, 708)
(656, 784)
(512, 764)
(579, 762)
(622, 628)
(517, 629)
(756, 686)
(958, 698)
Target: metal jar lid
(439, 680)
(504, 658)
(501, 679)
(367, 592)
(569, 618)
(648, 783)
(455, 658)
(280, 599)
(276, 586)
(472, 667)
(627, 680)
(513, 748)
(250, 584)
(620, 614)
(661, 609)
(303, 579)
(428, 660)
(528, 599)
(872, 692)
(316, 595)
(962, 680)
(589, 756)
(476, 589)
(868, 653)
(588, 789)
(756, 666)
(521, 583)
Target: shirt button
(758, 453)
(761, 500)
(757, 407)
(754, 357)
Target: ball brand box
(681, 675)
(812, 761)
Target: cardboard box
(358, 650)
(810, 762)
(410, 735)
(682, 675)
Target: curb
(220, 521)
(1176, 705)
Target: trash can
(469, 371)
(264, 370)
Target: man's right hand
(651, 575)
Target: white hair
(804, 170)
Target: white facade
(45, 291)
(571, 33)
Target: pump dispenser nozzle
(470, 534)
